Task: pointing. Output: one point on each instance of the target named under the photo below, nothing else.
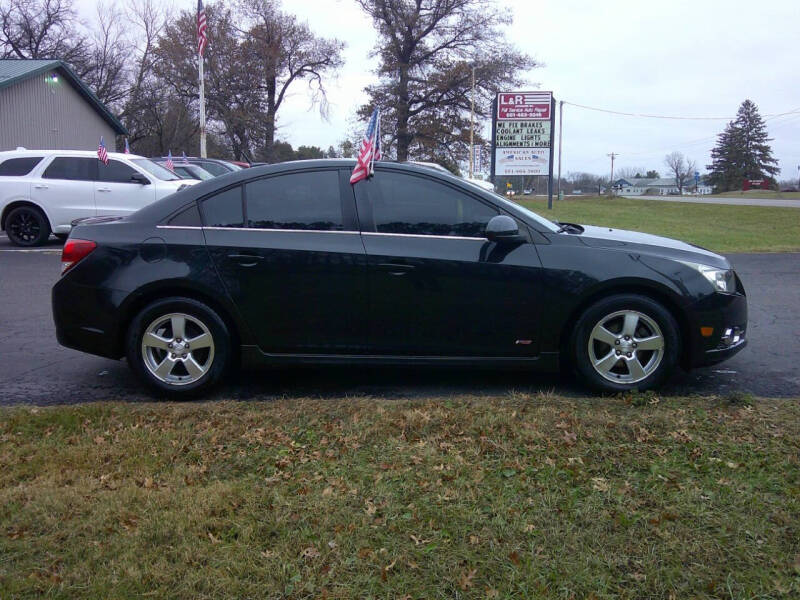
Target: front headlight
(723, 280)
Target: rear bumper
(85, 319)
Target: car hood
(605, 237)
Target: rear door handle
(245, 260)
(103, 189)
(396, 268)
(40, 186)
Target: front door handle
(40, 186)
(245, 260)
(396, 269)
(103, 189)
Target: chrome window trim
(423, 235)
(280, 230)
(178, 227)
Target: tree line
(140, 60)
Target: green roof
(13, 71)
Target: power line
(673, 117)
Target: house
(45, 105)
(664, 186)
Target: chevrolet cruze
(289, 264)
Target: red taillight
(75, 251)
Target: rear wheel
(626, 342)
(27, 226)
(179, 345)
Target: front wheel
(626, 342)
(179, 346)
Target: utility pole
(472, 127)
(611, 183)
(560, 127)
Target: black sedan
(289, 264)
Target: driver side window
(115, 172)
(408, 204)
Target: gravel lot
(35, 369)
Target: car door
(437, 286)
(116, 193)
(66, 190)
(288, 250)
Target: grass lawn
(459, 497)
(716, 227)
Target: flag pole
(202, 106)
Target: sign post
(522, 128)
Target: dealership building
(45, 105)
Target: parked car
(187, 170)
(43, 191)
(290, 264)
(215, 166)
(527, 191)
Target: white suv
(43, 191)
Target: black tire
(220, 356)
(27, 226)
(653, 312)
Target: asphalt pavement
(723, 200)
(35, 369)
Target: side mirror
(139, 178)
(504, 230)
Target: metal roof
(13, 71)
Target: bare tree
(681, 168)
(288, 52)
(427, 49)
(42, 29)
(629, 172)
(108, 55)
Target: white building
(665, 186)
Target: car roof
(78, 153)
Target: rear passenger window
(72, 168)
(224, 209)
(16, 167)
(305, 201)
(188, 217)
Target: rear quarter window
(188, 217)
(224, 209)
(17, 167)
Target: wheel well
(16, 204)
(660, 297)
(156, 294)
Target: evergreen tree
(742, 151)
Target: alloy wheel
(177, 348)
(24, 227)
(626, 346)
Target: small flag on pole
(170, 165)
(370, 150)
(102, 155)
(127, 147)
(184, 160)
(202, 26)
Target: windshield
(192, 172)
(156, 170)
(548, 224)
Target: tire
(27, 226)
(179, 368)
(634, 341)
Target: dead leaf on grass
(465, 581)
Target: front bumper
(726, 316)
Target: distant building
(664, 186)
(44, 105)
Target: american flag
(370, 149)
(127, 147)
(170, 165)
(202, 26)
(102, 155)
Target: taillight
(75, 251)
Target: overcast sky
(697, 58)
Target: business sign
(524, 105)
(477, 158)
(522, 133)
